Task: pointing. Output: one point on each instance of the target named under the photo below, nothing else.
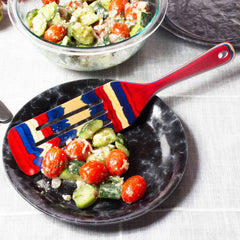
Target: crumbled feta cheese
(79, 183)
(142, 5)
(42, 183)
(56, 182)
(113, 13)
(73, 19)
(66, 197)
(113, 38)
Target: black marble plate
(158, 153)
(203, 21)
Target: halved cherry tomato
(78, 149)
(133, 189)
(118, 6)
(55, 33)
(45, 2)
(93, 172)
(120, 29)
(117, 162)
(54, 162)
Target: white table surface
(206, 205)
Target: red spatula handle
(216, 56)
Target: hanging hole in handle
(222, 54)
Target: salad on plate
(96, 161)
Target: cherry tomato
(133, 189)
(93, 172)
(118, 6)
(131, 12)
(78, 149)
(120, 29)
(55, 33)
(117, 162)
(54, 162)
(45, 2)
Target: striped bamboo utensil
(117, 103)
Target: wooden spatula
(117, 103)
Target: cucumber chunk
(104, 137)
(82, 34)
(49, 10)
(70, 29)
(120, 138)
(144, 18)
(111, 188)
(135, 29)
(101, 154)
(99, 9)
(39, 24)
(65, 175)
(71, 173)
(86, 15)
(74, 166)
(85, 195)
(90, 128)
(122, 147)
(121, 144)
(66, 41)
(30, 15)
(105, 3)
(58, 20)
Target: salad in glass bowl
(79, 23)
(87, 36)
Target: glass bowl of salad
(87, 35)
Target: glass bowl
(79, 58)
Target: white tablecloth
(206, 205)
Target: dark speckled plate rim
(168, 25)
(175, 179)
